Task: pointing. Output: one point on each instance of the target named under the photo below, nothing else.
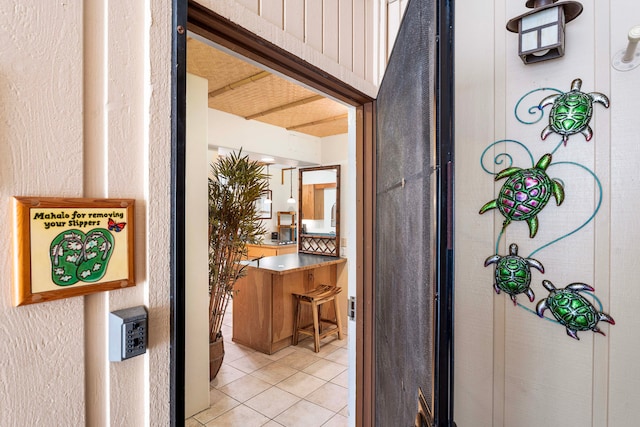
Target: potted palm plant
(235, 184)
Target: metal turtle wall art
(513, 273)
(525, 193)
(571, 112)
(572, 309)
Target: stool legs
(315, 309)
(315, 299)
(338, 320)
(296, 321)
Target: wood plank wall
(350, 39)
(512, 368)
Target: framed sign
(262, 207)
(71, 247)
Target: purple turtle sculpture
(526, 192)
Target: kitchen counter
(284, 264)
(271, 242)
(263, 307)
(270, 248)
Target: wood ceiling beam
(319, 122)
(239, 83)
(285, 106)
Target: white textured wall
(512, 368)
(83, 93)
(227, 130)
(618, 249)
(40, 110)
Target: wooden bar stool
(315, 299)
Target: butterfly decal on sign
(116, 226)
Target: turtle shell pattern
(512, 275)
(571, 113)
(572, 310)
(524, 194)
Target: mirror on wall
(319, 210)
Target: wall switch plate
(127, 333)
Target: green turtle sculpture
(571, 112)
(513, 273)
(571, 309)
(525, 194)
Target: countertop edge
(323, 263)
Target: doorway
(227, 34)
(206, 24)
(234, 105)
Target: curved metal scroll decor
(526, 191)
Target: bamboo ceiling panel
(335, 127)
(258, 96)
(312, 112)
(242, 89)
(219, 68)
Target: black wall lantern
(541, 30)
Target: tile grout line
(299, 348)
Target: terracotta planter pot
(216, 355)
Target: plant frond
(235, 184)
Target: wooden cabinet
(313, 201)
(287, 225)
(257, 251)
(263, 307)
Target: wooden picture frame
(67, 247)
(264, 209)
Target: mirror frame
(315, 244)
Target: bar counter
(269, 248)
(263, 307)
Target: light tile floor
(294, 387)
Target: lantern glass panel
(549, 36)
(540, 19)
(529, 41)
